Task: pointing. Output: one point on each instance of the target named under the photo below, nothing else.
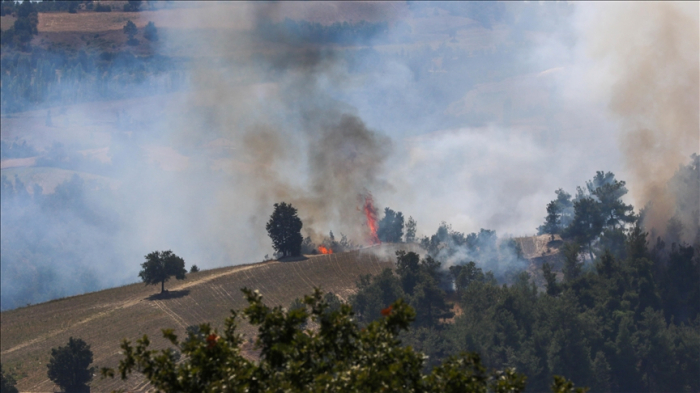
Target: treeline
(305, 32)
(47, 77)
(622, 316)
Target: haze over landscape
(129, 127)
(468, 113)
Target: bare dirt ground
(104, 318)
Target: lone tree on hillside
(69, 366)
(284, 229)
(160, 266)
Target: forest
(619, 315)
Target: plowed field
(104, 318)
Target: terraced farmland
(103, 318)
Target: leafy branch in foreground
(334, 356)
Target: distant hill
(104, 318)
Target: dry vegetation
(103, 318)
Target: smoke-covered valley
(467, 113)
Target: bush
(102, 8)
(69, 366)
(150, 32)
(194, 269)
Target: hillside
(103, 318)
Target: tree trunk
(162, 286)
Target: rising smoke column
(651, 51)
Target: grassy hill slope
(103, 318)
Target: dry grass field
(103, 318)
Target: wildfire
(324, 250)
(371, 215)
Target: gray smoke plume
(649, 54)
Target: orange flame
(371, 215)
(324, 250)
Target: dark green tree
(560, 212)
(572, 266)
(390, 227)
(150, 32)
(550, 278)
(69, 366)
(410, 230)
(464, 275)
(7, 383)
(130, 29)
(284, 229)
(374, 293)
(339, 356)
(587, 224)
(609, 192)
(133, 6)
(160, 266)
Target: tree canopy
(160, 266)
(284, 229)
(69, 366)
(390, 227)
(337, 356)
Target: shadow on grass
(169, 295)
(293, 259)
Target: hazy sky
(469, 113)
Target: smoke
(648, 56)
(473, 115)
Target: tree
(7, 383)
(160, 266)
(69, 366)
(559, 214)
(410, 230)
(588, 222)
(150, 32)
(390, 228)
(609, 191)
(194, 269)
(132, 6)
(284, 229)
(130, 30)
(338, 356)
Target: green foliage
(7, 383)
(130, 29)
(284, 229)
(102, 8)
(150, 32)
(132, 6)
(410, 230)
(390, 227)
(418, 281)
(194, 269)
(160, 266)
(69, 366)
(572, 265)
(24, 27)
(337, 356)
(559, 214)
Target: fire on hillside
(325, 250)
(371, 215)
